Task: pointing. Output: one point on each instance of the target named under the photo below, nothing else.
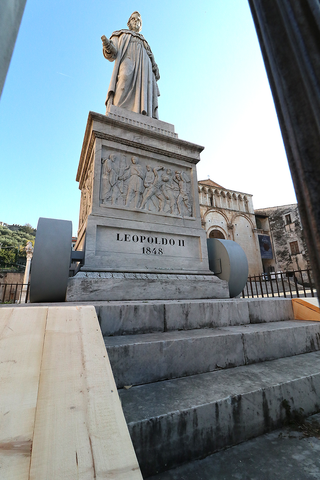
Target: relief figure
(110, 179)
(135, 185)
(83, 204)
(168, 189)
(86, 196)
(154, 190)
(148, 181)
(149, 178)
(183, 181)
(122, 167)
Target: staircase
(204, 375)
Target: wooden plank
(80, 431)
(303, 309)
(21, 344)
(5, 314)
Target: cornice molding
(142, 146)
(91, 134)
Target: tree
(13, 242)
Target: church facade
(229, 215)
(272, 238)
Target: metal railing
(290, 284)
(14, 292)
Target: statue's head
(134, 160)
(135, 22)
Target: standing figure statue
(135, 186)
(133, 84)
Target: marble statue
(133, 84)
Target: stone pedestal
(140, 223)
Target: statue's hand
(105, 41)
(155, 70)
(109, 50)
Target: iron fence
(14, 292)
(290, 284)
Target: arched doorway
(216, 234)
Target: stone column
(29, 251)
(289, 33)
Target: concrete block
(206, 314)
(108, 286)
(119, 318)
(280, 339)
(270, 309)
(128, 319)
(176, 421)
(258, 459)
(140, 359)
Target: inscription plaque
(154, 250)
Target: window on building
(288, 219)
(259, 224)
(216, 234)
(294, 248)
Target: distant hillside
(13, 239)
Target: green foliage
(13, 241)
(27, 228)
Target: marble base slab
(141, 121)
(95, 286)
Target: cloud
(59, 73)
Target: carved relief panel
(130, 182)
(86, 196)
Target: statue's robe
(133, 82)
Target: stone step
(259, 458)
(146, 358)
(175, 421)
(119, 318)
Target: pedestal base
(140, 224)
(94, 286)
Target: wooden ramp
(306, 309)
(60, 414)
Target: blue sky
(213, 88)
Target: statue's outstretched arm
(108, 48)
